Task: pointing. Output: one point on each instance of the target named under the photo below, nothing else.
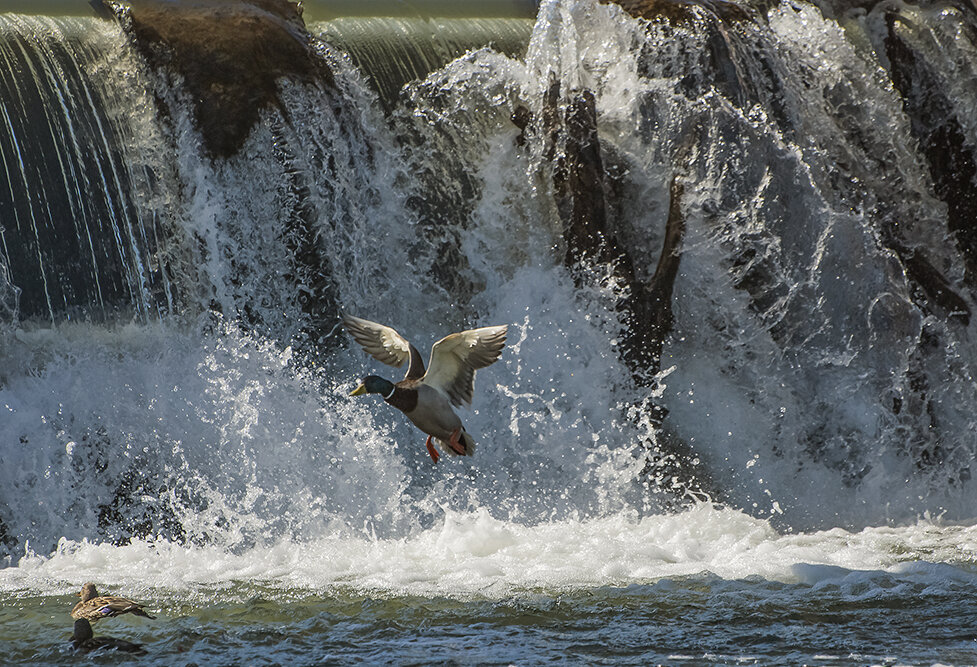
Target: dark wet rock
(932, 291)
(230, 55)
(135, 505)
(7, 542)
(675, 11)
(521, 117)
(918, 411)
(585, 195)
(581, 190)
(729, 45)
(683, 11)
(130, 514)
(836, 8)
(308, 270)
(951, 160)
(680, 11)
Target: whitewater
(789, 484)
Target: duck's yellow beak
(359, 391)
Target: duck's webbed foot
(431, 450)
(455, 445)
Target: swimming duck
(85, 641)
(94, 606)
(426, 397)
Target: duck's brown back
(106, 606)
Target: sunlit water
(215, 468)
(705, 586)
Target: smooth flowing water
(783, 477)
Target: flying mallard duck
(94, 606)
(85, 641)
(426, 398)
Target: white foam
(231, 441)
(474, 554)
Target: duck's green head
(373, 384)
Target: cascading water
(768, 183)
(396, 51)
(81, 233)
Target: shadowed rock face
(230, 55)
(942, 139)
(933, 123)
(681, 10)
(835, 8)
(678, 11)
(580, 188)
(673, 10)
(584, 197)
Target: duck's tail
(139, 612)
(466, 441)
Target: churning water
(787, 482)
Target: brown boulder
(230, 55)
(681, 11)
(673, 10)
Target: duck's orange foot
(455, 445)
(431, 450)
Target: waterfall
(394, 51)
(730, 240)
(80, 231)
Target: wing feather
(455, 358)
(384, 344)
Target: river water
(787, 482)
(705, 586)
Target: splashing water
(816, 423)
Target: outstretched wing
(384, 344)
(455, 358)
